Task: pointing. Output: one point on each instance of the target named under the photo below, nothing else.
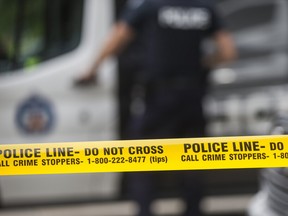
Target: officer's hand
(87, 79)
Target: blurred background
(46, 44)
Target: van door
(44, 46)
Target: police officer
(173, 76)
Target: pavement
(212, 206)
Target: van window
(251, 17)
(34, 31)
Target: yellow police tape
(145, 155)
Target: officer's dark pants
(170, 113)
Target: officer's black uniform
(173, 76)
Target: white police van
(40, 58)
(45, 45)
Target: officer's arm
(225, 49)
(120, 36)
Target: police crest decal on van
(35, 115)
